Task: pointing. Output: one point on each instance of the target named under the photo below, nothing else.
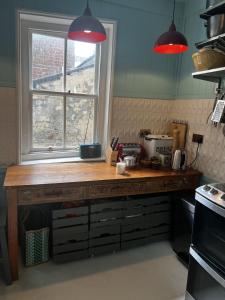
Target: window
(64, 88)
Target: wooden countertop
(61, 173)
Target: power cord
(196, 157)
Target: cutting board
(178, 131)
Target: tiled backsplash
(129, 115)
(211, 159)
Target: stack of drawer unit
(146, 219)
(136, 222)
(108, 225)
(160, 218)
(70, 234)
(105, 220)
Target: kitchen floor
(147, 273)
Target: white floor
(147, 273)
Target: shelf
(216, 9)
(213, 75)
(214, 41)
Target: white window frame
(37, 22)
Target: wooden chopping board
(178, 131)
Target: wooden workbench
(51, 183)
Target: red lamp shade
(87, 29)
(171, 42)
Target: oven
(204, 281)
(206, 275)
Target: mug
(120, 168)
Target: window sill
(62, 160)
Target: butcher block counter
(52, 183)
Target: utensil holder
(112, 157)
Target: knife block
(112, 156)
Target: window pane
(48, 121)
(79, 122)
(47, 62)
(80, 67)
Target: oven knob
(206, 188)
(214, 192)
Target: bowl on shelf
(207, 58)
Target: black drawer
(68, 247)
(69, 217)
(105, 230)
(66, 257)
(160, 229)
(107, 212)
(161, 204)
(134, 226)
(137, 234)
(160, 219)
(136, 219)
(76, 233)
(105, 216)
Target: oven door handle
(207, 267)
(212, 206)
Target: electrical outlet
(197, 138)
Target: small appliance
(156, 144)
(90, 151)
(179, 160)
(130, 149)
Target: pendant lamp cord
(87, 3)
(174, 9)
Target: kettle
(179, 160)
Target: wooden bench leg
(5, 257)
(13, 232)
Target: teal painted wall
(194, 30)
(138, 71)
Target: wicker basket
(207, 59)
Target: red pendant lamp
(87, 28)
(172, 41)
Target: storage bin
(34, 236)
(70, 234)
(207, 59)
(105, 223)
